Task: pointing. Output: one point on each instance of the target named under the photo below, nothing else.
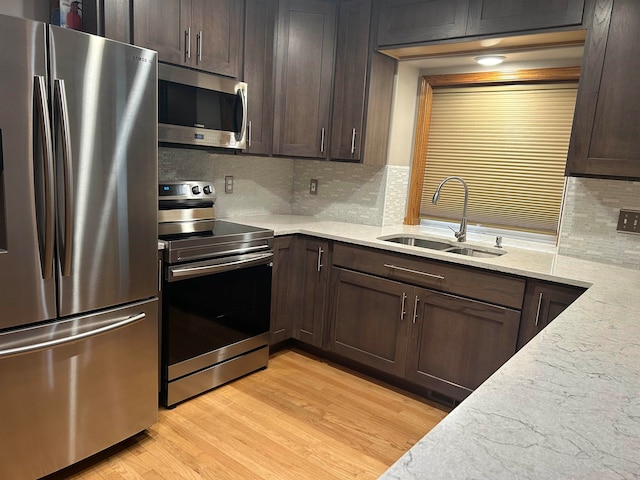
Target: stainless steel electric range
(216, 293)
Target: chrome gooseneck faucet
(461, 234)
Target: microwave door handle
(243, 100)
(60, 97)
(42, 110)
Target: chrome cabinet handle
(249, 133)
(418, 272)
(320, 252)
(47, 154)
(538, 310)
(60, 341)
(60, 95)
(402, 310)
(415, 309)
(353, 141)
(187, 44)
(199, 46)
(322, 140)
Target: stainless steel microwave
(197, 108)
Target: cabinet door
(313, 266)
(543, 302)
(606, 125)
(502, 16)
(260, 17)
(411, 21)
(282, 289)
(370, 320)
(216, 31)
(352, 53)
(163, 25)
(304, 71)
(117, 20)
(455, 344)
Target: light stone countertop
(567, 405)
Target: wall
(261, 185)
(590, 217)
(346, 192)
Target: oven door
(215, 314)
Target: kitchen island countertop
(567, 405)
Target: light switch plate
(228, 184)
(313, 186)
(629, 221)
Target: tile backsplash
(377, 196)
(590, 217)
(262, 185)
(347, 192)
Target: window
(508, 142)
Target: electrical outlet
(228, 184)
(629, 221)
(313, 186)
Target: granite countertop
(567, 405)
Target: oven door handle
(183, 272)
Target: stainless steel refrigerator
(78, 245)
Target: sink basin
(475, 252)
(469, 251)
(419, 242)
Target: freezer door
(27, 288)
(73, 388)
(105, 131)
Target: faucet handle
(498, 242)
(455, 232)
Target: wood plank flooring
(301, 418)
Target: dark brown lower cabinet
(282, 288)
(370, 320)
(456, 343)
(543, 302)
(312, 266)
(443, 342)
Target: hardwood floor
(301, 418)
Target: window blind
(509, 143)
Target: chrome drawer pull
(409, 270)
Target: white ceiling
(566, 56)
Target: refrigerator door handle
(118, 323)
(60, 96)
(42, 109)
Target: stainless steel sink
(419, 242)
(475, 252)
(469, 251)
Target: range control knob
(207, 189)
(195, 189)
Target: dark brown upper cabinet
(411, 21)
(260, 20)
(504, 16)
(363, 89)
(304, 73)
(406, 22)
(201, 34)
(117, 20)
(605, 139)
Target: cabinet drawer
(467, 281)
